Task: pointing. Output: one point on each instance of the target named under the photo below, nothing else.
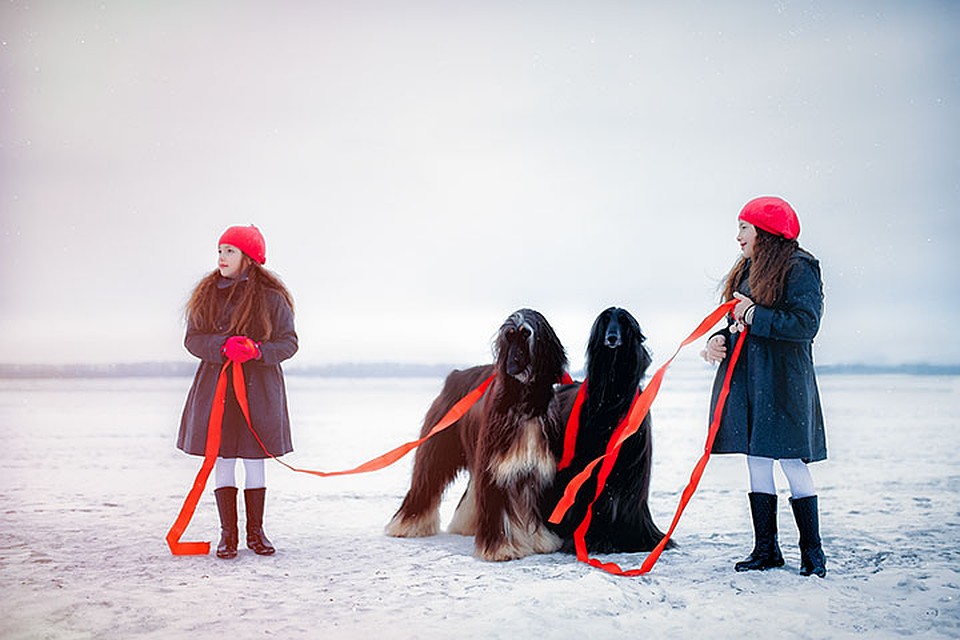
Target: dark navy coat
(266, 392)
(773, 410)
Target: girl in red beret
(244, 313)
(773, 409)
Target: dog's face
(517, 334)
(617, 343)
(527, 348)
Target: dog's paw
(462, 527)
(464, 522)
(414, 527)
(545, 541)
(500, 552)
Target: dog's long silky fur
(502, 442)
(616, 362)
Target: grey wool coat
(773, 410)
(266, 392)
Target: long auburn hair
(768, 268)
(251, 314)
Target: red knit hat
(247, 239)
(772, 214)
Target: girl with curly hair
(243, 313)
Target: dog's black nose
(612, 340)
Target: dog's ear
(599, 330)
(501, 348)
(499, 342)
(549, 356)
(644, 358)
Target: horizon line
(384, 369)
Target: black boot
(227, 506)
(812, 560)
(766, 552)
(256, 539)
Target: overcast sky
(422, 169)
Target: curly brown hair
(250, 315)
(768, 268)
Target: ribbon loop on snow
(628, 427)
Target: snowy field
(91, 481)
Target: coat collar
(224, 283)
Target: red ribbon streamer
(212, 450)
(384, 460)
(573, 427)
(209, 459)
(628, 427)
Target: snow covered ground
(91, 481)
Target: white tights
(796, 471)
(253, 471)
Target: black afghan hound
(616, 362)
(502, 442)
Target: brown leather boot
(256, 538)
(229, 536)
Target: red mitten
(240, 349)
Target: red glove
(240, 349)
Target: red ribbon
(215, 425)
(384, 460)
(628, 427)
(573, 428)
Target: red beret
(772, 214)
(247, 239)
